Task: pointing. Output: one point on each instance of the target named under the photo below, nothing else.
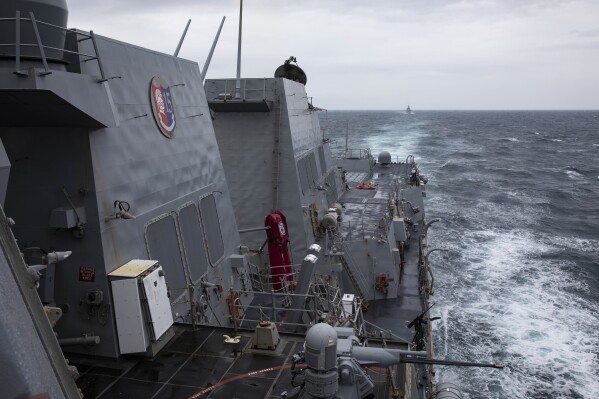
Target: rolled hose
(448, 390)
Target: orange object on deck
(367, 186)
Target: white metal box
(141, 304)
(159, 305)
(347, 301)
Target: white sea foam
(558, 140)
(572, 174)
(386, 141)
(579, 244)
(507, 302)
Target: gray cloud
(433, 54)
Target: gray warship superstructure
(191, 240)
(274, 156)
(94, 170)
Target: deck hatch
(163, 245)
(212, 231)
(193, 241)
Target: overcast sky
(385, 54)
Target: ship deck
(363, 210)
(199, 364)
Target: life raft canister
(278, 251)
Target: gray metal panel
(314, 174)
(322, 159)
(302, 170)
(399, 229)
(65, 217)
(331, 186)
(4, 173)
(193, 241)
(59, 99)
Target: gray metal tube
(182, 38)
(207, 63)
(238, 80)
(89, 340)
(254, 229)
(381, 356)
(447, 390)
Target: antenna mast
(182, 38)
(238, 81)
(346, 134)
(207, 63)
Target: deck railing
(321, 306)
(356, 153)
(41, 47)
(250, 90)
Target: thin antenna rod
(346, 134)
(207, 63)
(182, 38)
(238, 82)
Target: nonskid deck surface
(199, 364)
(363, 209)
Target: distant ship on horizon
(408, 110)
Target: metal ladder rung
(352, 277)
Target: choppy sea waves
(518, 195)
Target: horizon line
(471, 110)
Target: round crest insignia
(163, 106)
(281, 228)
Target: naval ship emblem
(163, 106)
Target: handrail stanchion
(18, 43)
(233, 304)
(274, 311)
(315, 307)
(91, 33)
(39, 44)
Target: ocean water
(518, 195)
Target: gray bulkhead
(176, 187)
(303, 172)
